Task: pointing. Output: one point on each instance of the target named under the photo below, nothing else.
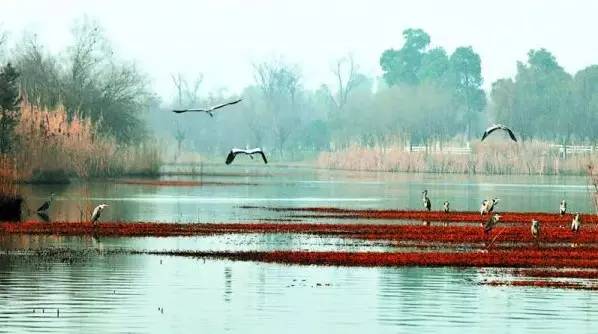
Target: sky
(224, 38)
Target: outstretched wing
(489, 131)
(263, 157)
(178, 111)
(511, 134)
(230, 157)
(225, 104)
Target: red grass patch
(439, 216)
(463, 235)
(544, 284)
(523, 258)
(557, 273)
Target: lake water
(159, 294)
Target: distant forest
(424, 96)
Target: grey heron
(490, 223)
(576, 222)
(426, 200)
(488, 205)
(483, 207)
(563, 207)
(446, 206)
(498, 127)
(208, 110)
(46, 204)
(535, 229)
(97, 212)
(250, 152)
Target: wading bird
(498, 127)
(563, 207)
(97, 212)
(490, 223)
(488, 205)
(233, 153)
(483, 207)
(446, 206)
(426, 201)
(576, 223)
(535, 229)
(46, 204)
(492, 203)
(208, 110)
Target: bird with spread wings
(208, 110)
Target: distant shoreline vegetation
(492, 158)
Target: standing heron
(563, 207)
(46, 204)
(446, 206)
(535, 229)
(208, 110)
(498, 127)
(233, 153)
(490, 223)
(576, 223)
(483, 207)
(492, 203)
(426, 200)
(97, 212)
(488, 205)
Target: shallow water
(297, 187)
(123, 293)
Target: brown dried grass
(531, 158)
(52, 143)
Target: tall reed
(532, 158)
(52, 146)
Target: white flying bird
(208, 110)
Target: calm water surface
(124, 293)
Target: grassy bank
(530, 158)
(53, 148)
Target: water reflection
(303, 187)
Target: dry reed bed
(531, 158)
(54, 145)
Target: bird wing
(178, 111)
(96, 214)
(225, 104)
(489, 131)
(263, 156)
(230, 157)
(511, 134)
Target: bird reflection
(228, 279)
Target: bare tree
(187, 94)
(345, 72)
(279, 83)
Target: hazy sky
(222, 38)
